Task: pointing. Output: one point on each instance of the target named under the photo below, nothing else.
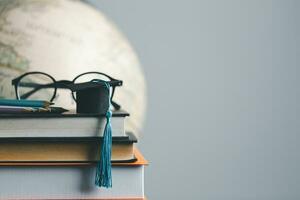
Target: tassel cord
(103, 171)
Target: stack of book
(54, 156)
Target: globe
(65, 38)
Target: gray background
(223, 112)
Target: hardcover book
(70, 181)
(60, 125)
(83, 149)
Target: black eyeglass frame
(63, 84)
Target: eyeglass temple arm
(59, 84)
(115, 105)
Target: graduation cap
(91, 97)
(94, 97)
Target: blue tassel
(103, 171)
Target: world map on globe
(65, 38)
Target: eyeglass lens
(36, 86)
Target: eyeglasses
(39, 85)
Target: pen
(14, 109)
(25, 103)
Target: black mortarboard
(91, 97)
